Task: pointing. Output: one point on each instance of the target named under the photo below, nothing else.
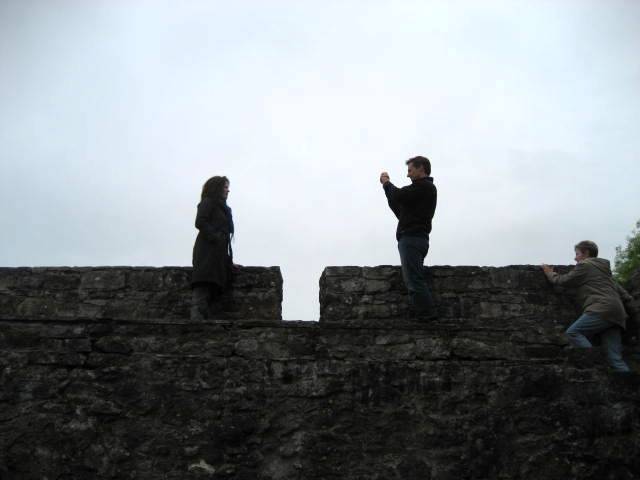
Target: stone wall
(515, 298)
(488, 391)
(130, 293)
(483, 293)
(270, 400)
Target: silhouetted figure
(212, 252)
(603, 302)
(414, 206)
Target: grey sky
(113, 114)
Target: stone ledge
(152, 399)
(130, 292)
(439, 341)
(370, 293)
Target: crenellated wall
(484, 392)
(131, 293)
(482, 293)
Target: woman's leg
(218, 301)
(200, 297)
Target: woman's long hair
(213, 188)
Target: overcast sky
(114, 113)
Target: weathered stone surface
(366, 293)
(130, 292)
(173, 399)
(488, 391)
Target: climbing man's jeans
(590, 324)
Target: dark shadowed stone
(102, 279)
(489, 390)
(473, 292)
(113, 345)
(131, 292)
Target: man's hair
(213, 187)
(587, 246)
(421, 162)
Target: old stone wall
(515, 298)
(131, 293)
(484, 392)
(301, 400)
(483, 293)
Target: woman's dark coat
(212, 257)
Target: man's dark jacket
(413, 205)
(212, 257)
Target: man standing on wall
(414, 206)
(602, 299)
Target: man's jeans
(413, 250)
(590, 324)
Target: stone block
(103, 279)
(469, 292)
(131, 292)
(383, 272)
(342, 271)
(352, 285)
(145, 280)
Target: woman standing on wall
(212, 253)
